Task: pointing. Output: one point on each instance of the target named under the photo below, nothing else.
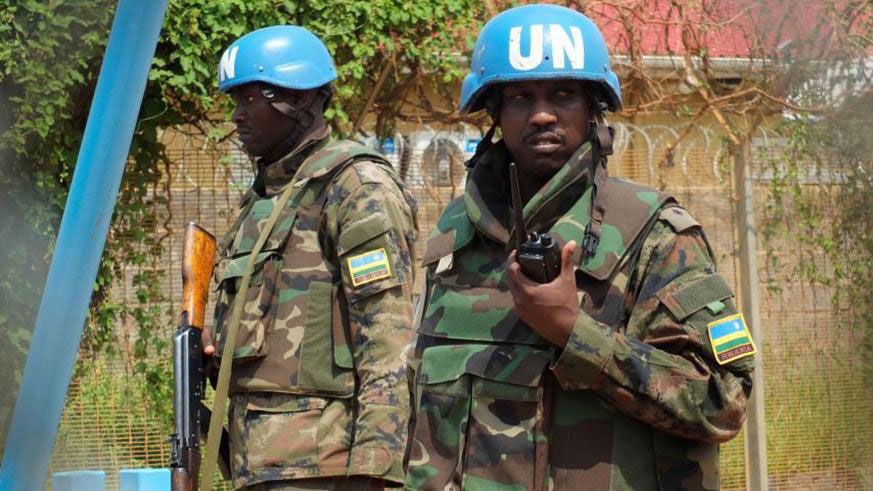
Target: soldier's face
(260, 127)
(543, 123)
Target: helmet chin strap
(288, 110)
(601, 137)
(492, 104)
(303, 117)
(484, 144)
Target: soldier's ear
(301, 98)
(492, 104)
(290, 102)
(296, 99)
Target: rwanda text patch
(368, 267)
(730, 339)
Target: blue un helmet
(284, 56)
(538, 42)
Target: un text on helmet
(227, 65)
(564, 46)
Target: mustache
(539, 134)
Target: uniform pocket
(439, 437)
(256, 319)
(259, 311)
(692, 296)
(700, 303)
(325, 359)
(274, 434)
(505, 425)
(478, 411)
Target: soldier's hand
(210, 362)
(208, 347)
(550, 309)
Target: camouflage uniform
(636, 399)
(318, 386)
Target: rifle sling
(220, 403)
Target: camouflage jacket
(318, 385)
(635, 400)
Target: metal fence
(818, 412)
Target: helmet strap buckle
(603, 135)
(268, 92)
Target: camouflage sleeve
(413, 361)
(660, 368)
(376, 230)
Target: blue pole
(64, 304)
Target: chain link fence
(818, 411)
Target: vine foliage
(50, 55)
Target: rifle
(189, 414)
(538, 254)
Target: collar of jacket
(276, 175)
(488, 197)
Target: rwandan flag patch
(368, 267)
(730, 339)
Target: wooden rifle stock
(188, 373)
(197, 263)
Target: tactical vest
(625, 225)
(468, 329)
(293, 336)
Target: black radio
(538, 254)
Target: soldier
(629, 368)
(318, 398)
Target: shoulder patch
(730, 339)
(369, 267)
(678, 218)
